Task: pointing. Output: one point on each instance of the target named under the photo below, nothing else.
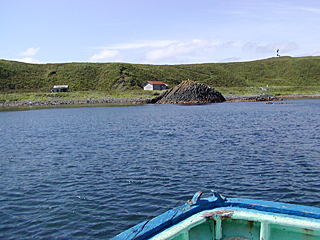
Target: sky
(157, 31)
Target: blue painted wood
(150, 228)
(275, 207)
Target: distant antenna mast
(278, 55)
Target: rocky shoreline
(253, 98)
(111, 100)
(265, 97)
(64, 102)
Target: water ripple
(90, 173)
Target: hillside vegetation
(283, 72)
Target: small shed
(155, 85)
(59, 88)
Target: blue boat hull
(234, 218)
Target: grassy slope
(283, 75)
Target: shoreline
(139, 101)
(69, 102)
(264, 97)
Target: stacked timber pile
(189, 92)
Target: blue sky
(157, 31)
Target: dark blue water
(90, 173)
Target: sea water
(93, 172)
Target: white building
(59, 88)
(155, 85)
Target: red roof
(157, 83)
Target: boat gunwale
(235, 213)
(150, 228)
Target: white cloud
(249, 47)
(313, 54)
(139, 44)
(27, 60)
(159, 43)
(316, 10)
(177, 49)
(30, 52)
(231, 59)
(284, 47)
(107, 55)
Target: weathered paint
(219, 218)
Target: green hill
(287, 72)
